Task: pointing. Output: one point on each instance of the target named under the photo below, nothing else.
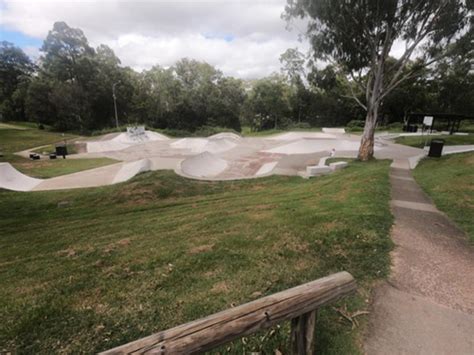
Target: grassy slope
(450, 183)
(123, 261)
(14, 140)
(418, 142)
(46, 168)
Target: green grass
(467, 126)
(46, 168)
(120, 262)
(10, 126)
(14, 140)
(419, 141)
(450, 183)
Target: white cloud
(32, 52)
(241, 38)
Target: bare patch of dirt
(201, 249)
(220, 287)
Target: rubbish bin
(61, 150)
(436, 148)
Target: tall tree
(67, 53)
(15, 71)
(198, 82)
(268, 103)
(226, 106)
(358, 36)
(293, 63)
(453, 82)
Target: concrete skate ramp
(300, 135)
(192, 144)
(106, 175)
(306, 146)
(129, 170)
(199, 145)
(123, 141)
(219, 145)
(266, 168)
(334, 130)
(227, 135)
(203, 165)
(12, 179)
(455, 149)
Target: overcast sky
(242, 38)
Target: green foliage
(395, 126)
(349, 31)
(268, 103)
(15, 71)
(358, 37)
(183, 249)
(356, 124)
(71, 89)
(300, 126)
(207, 131)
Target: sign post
(427, 122)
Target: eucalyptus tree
(293, 67)
(268, 102)
(15, 71)
(358, 36)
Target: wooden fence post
(302, 333)
(298, 304)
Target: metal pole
(115, 103)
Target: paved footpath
(427, 304)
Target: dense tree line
(70, 88)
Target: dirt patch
(119, 244)
(330, 226)
(220, 287)
(201, 249)
(70, 253)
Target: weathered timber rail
(298, 304)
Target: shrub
(300, 125)
(206, 131)
(355, 125)
(395, 125)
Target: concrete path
(427, 305)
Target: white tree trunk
(366, 150)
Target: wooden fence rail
(298, 304)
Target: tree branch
(354, 96)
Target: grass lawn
(10, 126)
(450, 183)
(14, 140)
(46, 168)
(418, 141)
(123, 261)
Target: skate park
(220, 157)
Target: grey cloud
(144, 33)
